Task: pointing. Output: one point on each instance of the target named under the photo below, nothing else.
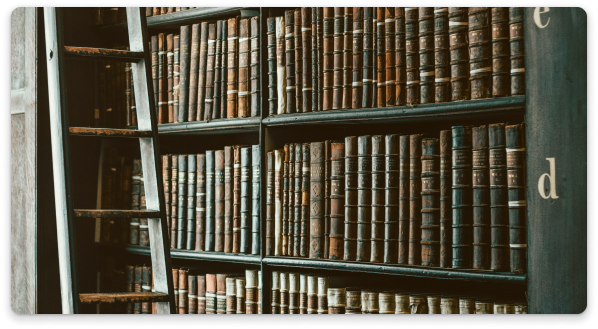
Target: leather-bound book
(462, 197)
(338, 48)
(200, 203)
(228, 199)
(298, 41)
(219, 58)
(285, 201)
(210, 62)
(284, 293)
(449, 305)
(337, 201)
(271, 60)
(174, 199)
(259, 292)
(221, 293)
(378, 193)
(201, 294)
(337, 299)
(517, 45)
(278, 222)
(303, 293)
(236, 199)
(128, 94)
(369, 302)
(400, 64)
(232, 64)
(323, 283)
(316, 45)
(364, 198)
(390, 57)
(351, 194)
(357, 60)
(386, 303)
(143, 228)
(291, 200)
(430, 179)
(231, 295)
(426, 55)
(221, 99)
(250, 288)
(402, 303)
(293, 293)
(156, 11)
(175, 284)
(270, 204)
(466, 305)
(521, 307)
(191, 179)
(515, 136)
(480, 52)
(347, 57)
(155, 73)
(169, 71)
(305, 201)
(240, 282)
(368, 57)
(327, 169)
(210, 197)
(499, 218)
(138, 272)
(130, 285)
(243, 94)
(501, 64)
(319, 52)
(459, 53)
(201, 72)
(316, 214)
(375, 59)
(353, 301)
(275, 298)
(245, 228)
(380, 57)
(175, 79)
(185, 52)
(412, 54)
(149, 11)
(192, 293)
(434, 305)
(446, 211)
(391, 199)
(182, 204)
(254, 67)
(484, 307)
(297, 200)
(418, 304)
(307, 59)
(442, 71)
(281, 75)
(256, 160)
(289, 49)
(415, 199)
(219, 201)
(504, 307)
(312, 294)
(481, 198)
(193, 72)
(183, 292)
(135, 196)
(328, 58)
(146, 274)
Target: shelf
(218, 126)
(485, 108)
(405, 270)
(189, 16)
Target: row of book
(157, 11)
(454, 199)
(113, 98)
(294, 293)
(115, 15)
(352, 57)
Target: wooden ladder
(56, 53)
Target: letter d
(551, 179)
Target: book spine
(364, 197)
(135, 196)
(338, 64)
(353, 305)
(184, 74)
(210, 62)
(430, 180)
(250, 288)
(357, 60)
(319, 52)
(281, 75)
(351, 193)
(210, 293)
(391, 199)
(517, 46)
(442, 75)
(236, 199)
(386, 302)
(308, 60)
(272, 67)
(193, 72)
(312, 294)
(162, 81)
(347, 57)
(400, 60)
(289, 50)
(175, 79)
(380, 57)
(275, 297)
(374, 58)
(377, 201)
(515, 136)
(297, 201)
(192, 293)
(219, 59)
(245, 228)
(328, 58)
(232, 82)
(337, 300)
(370, 302)
(291, 200)
(412, 54)
(174, 201)
(298, 41)
(481, 198)
(480, 52)
(337, 200)
(415, 199)
(302, 293)
(154, 56)
(462, 196)
(201, 294)
(293, 293)
(254, 67)
(259, 292)
(316, 216)
(270, 204)
(169, 77)
(426, 55)
(327, 170)
(220, 98)
(305, 201)
(201, 76)
(231, 295)
(191, 172)
(278, 222)
(240, 295)
(459, 53)
(210, 207)
(390, 66)
(368, 57)
(182, 205)
(138, 273)
(228, 199)
(183, 292)
(130, 285)
(145, 287)
(501, 65)
(446, 181)
(316, 28)
(175, 284)
(499, 218)
(200, 206)
(255, 199)
(243, 95)
(128, 95)
(323, 283)
(221, 293)
(285, 200)
(284, 293)
(219, 201)
(404, 199)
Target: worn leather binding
(337, 201)
(337, 300)
(368, 57)
(143, 228)
(412, 55)
(434, 305)
(231, 295)
(504, 307)
(446, 212)
(275, 298)
(418, 304)
(236, 199)
(201, 72)
(221, 103)
(259, 292)
(256, 160)
(375, 57)
(219, 60)
(517, 43)
(347, 57)
(426, 55)
(357, 60)
(289, 50)
(369, 302)
(312, 294)
(305, 28)
(155, 72)
(459, 53)
(228, 199)
(400, 59)
(221, 293)
(128, 94)
(402, 303)
(211, 60)
(415, 199)
(515, 135)
(293, 293)
(245, 228)
(182, 204)
(386, 303)
(501, 65)
(254, 66)
(175, 80)
(338, 66)
(499, 217)
(270, 204)
(145, 287)
(169, 83)
(284, 293)
(305, 201)
(200, 203)
(278, 159)
(442, 75)
(380, 57)
(183, 292)
(327, 152)
(391, 198)
(462, 197)
(317, 203)
(303, 294)
(480, 52)
(377, 202)
(174, 200)
(430, 175)
(297, 200)
(466, 305)
(193, 72)
(291, 200)
(192, 293)
(281, 75)
(130, 285)
(353, 301)
(271, 60)
(191, 169)
(138, 274)
(232, 64)
(175, 284)
(323, 283)
(240, 282)
(210, 207)
(243, 95)
(481, 198)
(364, 198)
(449, 305)
(219, 201)
(251, 279)
(390, 48)
(166, 169)
(484, 307)
(285, 200)
(298, 41)
(328, 59)
(184, 74)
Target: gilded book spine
(281, 76)
(347, 57)
(305, 201)
(254, 67)
(327, 169)
(210, 60)
(459, 53)
(291, 201)
(462, 197)
(243, 109)
(308, 60)
(499, 217)
(357, 62)
(316, 216)
(515, 135)
(328, 58)
(377, 236)
(391, 199)
(289, 49)
(219, 201)
(285, 200)
(200, 206)
(232, 65)
(201, 75)
(351, 194)
(415, 199)
(191, 187)
(219, 58)
(400, 59)
(481, 198)
(175, 79)
(298, 61)
(337, 201)
(403, 199)
(380, 57)
(442, 70)
(480, 52)
(270, 204)
(412, 54)
(389, 42)
(220, 107)
(182, 205)
(193, 72)
(271, 60)
(368, 57)
(169, 72)
(501, 65)
(426, 55)
(338, 47)
(255, 198)
(228, 198)
(430, 238)
(236, 199)
(174, 200)
(209, 241)
(517, 43)
(364, 197)
(278, 158)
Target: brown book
(155, 72)
(297, 200)
(259, 292)
(254, 67)
(368, 57)
(357, 60)
(380, 57)
(200, 210)
(210, 62)
(337, 201)
(271, 59)
(175, 284)
(375, 58)
(183, 292)
(284, 293)
(240, 295)
(281, 76)
(221, 293)
(219, 201)
(245, 201)
(442, 75)
(149, 11)
(228, 199)
(256, 183)
(391, 199)
(236, 199)
(143, 228)
(219, 59)
(327, 64)
(291, 200)
(298, 41)
(220, 98)
(338, 64)
(193, 72)
(316, 215)
(369, 302)
(426, 55)
(289, 49)
(515, 136)
(400, 71)
(377, 201)
(323, 283)
(175, 80)
(169, 77)
(347, 57)
(145, 287)
(270, 204)
(130, 285)
(308, 60)
(390, 66)
(501, 65)
(182, 204)
(364, 198)
(353, 303)
(351, 193)
(285, 200)
(462, 197)
(386, 302)
(275, 298)
(480, 52)
(412, 54)
(185, 52)
(232, 63)
(327, 152)
(231, 295)
(430, 208)
(415, 199)
(251, 283)
(201, 294)
(446, 181)
(337, 300)
(192, 294)
(243, 95)
(135, 198)
(304, 239)
(156, 11)
(517, 45)
(318, 53)
(138, 277)
(128, 95)
(459, 53)
(293, 293)
(174, 188)
(481, 198)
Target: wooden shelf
(405, 270)
(189, 16)
(218, 126)
(487, 108)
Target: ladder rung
(123, 297)
(103, 53)
(111, 213)
(108, 132)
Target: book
(136, 174)
(270, 237)
(357, 60)
(430, 211)
(462, 197)
(240, 295)
(245, 197)
(192, 293)
(303, 293)
(219, 63)
(390, 56)
(446, 212)
(278, 222)
(364, 198)
(351, 194)
(174, 201)
(369, 302)
(243, 109)
(201, 75)
(251, 282)
(231, 295)
(254, 67)
(221, 98)
(176, 74)
(175, 284)
(368, 57)
(183, 292)
(219, 200)
(499, 215)
(375, 58)
(272, 66)
(412, 55)
(289, 50)
(308, 60)
(293, 293)
(143, 228)
(138, 277)
(256, 160)
(386, 303)
(466, 305)
(316, 199)
(281, 75)
(275, 297)
(191, 172)
(434, 304)
(336, 300)
(312, 294)
(327, 169)
(391, 199)
(184, 68)
(442, 73)
(305, 201)
(154, 56)
(232, 63)
(449, 305)
(377, 201)
(459, 53)
(400, 64)
(146, 274)
(426, 55)
(481, 198)
(210, 63)
(182, 204)
(517, 46)
(210, 197)
(284, 293)
(337, 201)
(236, 199)
(317, 15)
(169, 77)
(193, 72)
(515, 148)
(200, 205)
(327, 58)
(347, 57)
(291, 200)
(501, 62)
(415, 199)
(298, 42)
(285, 200)
(228, 199)
(480, 52)
(338, 64)
(380, 76)
(402, 303)
(297, 200)
(323, 283)
(259, 292)
(221, 293)
(162, 92)
(353, 300)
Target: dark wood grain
(123, 297)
